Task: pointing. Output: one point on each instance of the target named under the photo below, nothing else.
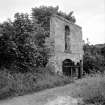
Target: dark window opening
(67, 38)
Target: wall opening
(67, 38)
(79, 65)
(67, 67)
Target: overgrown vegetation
(24, 54)
(94, 58)
(91, 90)
(16, 84)
(18, 49)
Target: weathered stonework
(57, 42)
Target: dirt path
(47, 97)
(58, 95)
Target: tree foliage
(21, 44)
(94, 58)
(43, 14)
(68, 16)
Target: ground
(66, 95)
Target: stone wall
(57, 42)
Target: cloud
(90, 14)
(93, 28)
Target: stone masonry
(57, 42)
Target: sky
(89, 14)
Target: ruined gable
(65, 42)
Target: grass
(91, 89)
(16, 84)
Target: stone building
(66, 46)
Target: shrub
(93, 59)
(22, 44)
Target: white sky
(90, 14)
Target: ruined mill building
(66, 46)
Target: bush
(22, 44)
(93, 59)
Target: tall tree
(21, 45)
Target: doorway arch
(67, 67)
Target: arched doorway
(67, 67)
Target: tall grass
(15, 84)
(92, 89)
